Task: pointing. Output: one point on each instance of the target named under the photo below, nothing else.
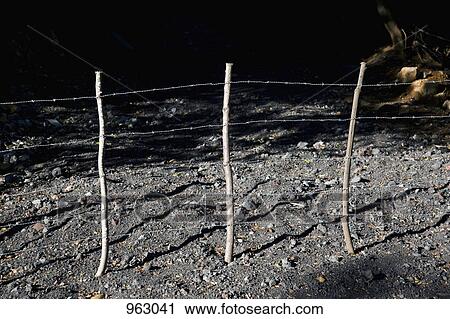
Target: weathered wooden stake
(101, 175)
(227, 167)
(348, 161)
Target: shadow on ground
(196, 108)
(379, 277)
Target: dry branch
(391, 26)
(348, 161)
(101, 175)
(227, 167)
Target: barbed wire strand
(96, 68)
(207, 126)
(79, 142)
(436, 36)
(212, 84)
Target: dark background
(146, 47)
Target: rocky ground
(166, 200)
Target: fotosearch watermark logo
(380, 207)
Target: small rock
(292, 243)
(355, 235)
(391, 184)
(319, 145)
(245, 259)
(273, 281)
(334, 259)
(37, 203)
(63, 204)
(356, 179)
(331, 182)
(56, 172)
(308, 183)
(368, 274)
(126, 259)
(302, 145)
(68, 189)
(184, 292)
(286, 263)
(376, 151)
(24, 158)
(54, 122)
(286, 156)
(28, 288)
(322, 228)
(146, 266)
(97, 295)
(446, 105)
(14, 291)
(248, 204)
(38, 227)
(13, 159)
(437, 165)
(321, 279)
(197, 279)
(6, 179)
(407, 74)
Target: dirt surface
(167, 200)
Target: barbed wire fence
(224, 126)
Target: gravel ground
(166, 201)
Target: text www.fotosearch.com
(234, 309)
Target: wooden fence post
(227, 167)
(348, 161)
(101, 175)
